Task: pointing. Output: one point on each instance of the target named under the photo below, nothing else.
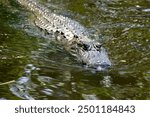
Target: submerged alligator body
(72, 34)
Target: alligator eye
(99, 46)
(79, 44)
(84, 46)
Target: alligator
(72, 34)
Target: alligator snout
(102, 66)
(105, 65)
(95, 57)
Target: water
(42, 69)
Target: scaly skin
(72, 34)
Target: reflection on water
(44, 70)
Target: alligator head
(92, 54)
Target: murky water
(37, 68)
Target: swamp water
(40, 69)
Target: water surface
(42, 69)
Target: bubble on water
(89, 96)
(23, 80)
(27, 71)
(138, 6)
(48, 91)
(146, 10)
(29, 66)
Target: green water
(44, 70)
